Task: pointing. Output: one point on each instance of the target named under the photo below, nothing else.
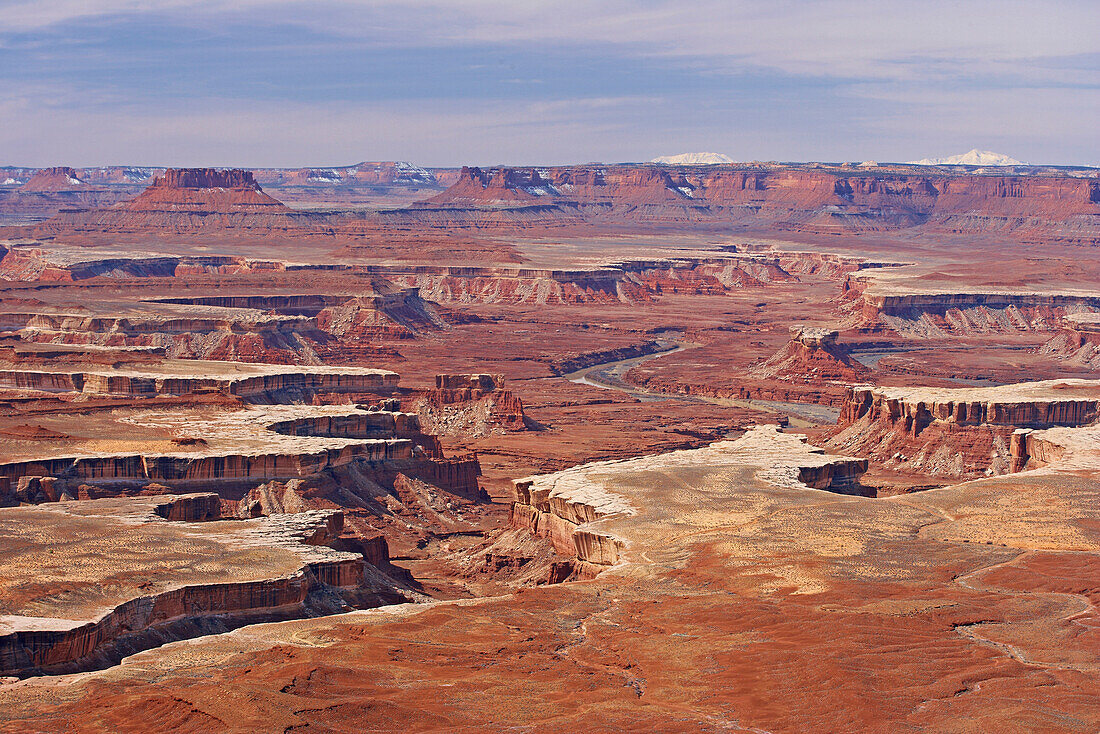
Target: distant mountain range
(693, 159)
(973, 158)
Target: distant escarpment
(182, 201)
(1040, 206)
(795, 198)
(60, 178)
(921, 314)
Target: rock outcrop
(811, 356)
(260, 383)
(1076, 343)
(470, 405)
(576, 511)
(1040, 205)
(60, 178)
(182, 201)
(958, 432)
(148, 602)
(916, 314)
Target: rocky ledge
(183, 377)
(575, 509)
(959, 432)
(249, 446)
(1070, 402)
(87, 583)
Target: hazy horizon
(285, 83)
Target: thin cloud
(545, 80)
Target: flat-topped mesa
(206, 191)
(222, 470)
(923, 313)
(477, 186)
(471, 405)
(240, 450)
(814, 337)
(206, 178)
(806, 198)
(1024, 405)
(958, 432)
(198, 202)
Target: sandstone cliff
(958, 432)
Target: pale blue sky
(327, 82)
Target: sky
(292, 83)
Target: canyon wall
(35, 646)
(958, 432)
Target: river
(611, 376)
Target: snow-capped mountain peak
(693, 159)
(973, 158)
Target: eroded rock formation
(962, 431)
(572, 508)
(812, 355)
(291, 573)
(470, 405)
(783, 197)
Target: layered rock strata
(1061, 449)
(815, 200)
(1071, 402)
(812, 356)
(899, 304)
(182, 201)
(259, 570)
(246, 381)
(283, 328)
(961, 431)
(1077, 342)
(470, 405)
(248, 447)
(573, 508)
